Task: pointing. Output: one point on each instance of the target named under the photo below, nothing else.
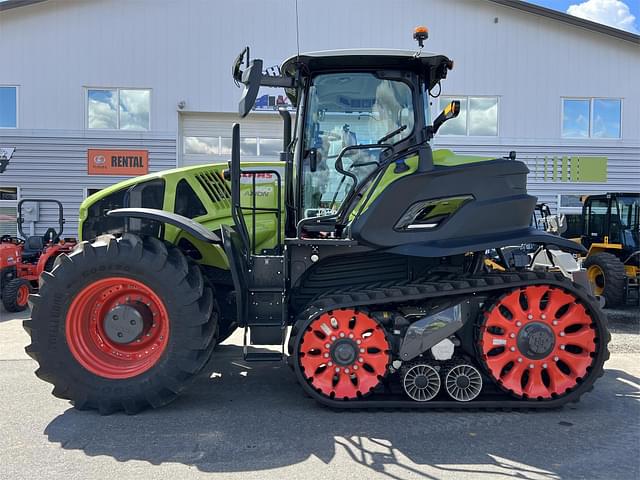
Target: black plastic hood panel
(499, 214)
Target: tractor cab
(357, 112)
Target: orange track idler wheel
(538, 342)
(344, 354)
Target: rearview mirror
(450, 111)
(251, 80)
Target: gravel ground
(253, 422)
(624, 324)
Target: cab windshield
(346, 109)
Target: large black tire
(12, 298)
(166, 272)
(608, 277)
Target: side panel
(499, 204)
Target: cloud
(102, 110)
(614, 13)
(134, 109)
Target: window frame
(13, 203)
(117, 90)
(591, 110)
(17, 89)
(466, 98)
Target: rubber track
(439, 287)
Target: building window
(591, 117)
(91, 191)
(478, 117)
(8, 203)
(249, 146)
(118, 109)
(8, 107)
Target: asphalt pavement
(253, 422)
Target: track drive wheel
(15, 295)
(121, 324)
(543, 342)
(342, 354)
(607, 277)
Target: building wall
(183, 50)
(55, 166)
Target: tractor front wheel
(121, 324)
(607, 277)
(15, 295)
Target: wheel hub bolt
(330, 364)
(531, 365)
(326, 355)
(544, 365)
(512, 335)
(351, 335)
(518, 324)
(355, 367)
(555, 322)
(562, 334)
(362, 350)
(513, 349)
(519, 359)
(132, 322)
(115, 317)
(543, 316)
(333, 339)
(337, 369)
(328, 345)
(341, 334)
(358, 342)
(360, 359)
(562, 347)
(556, 358)
(530, 316)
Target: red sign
(117, 162)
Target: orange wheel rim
(344, 354)
(538, 342)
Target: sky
(621, 14)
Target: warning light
(420, 33)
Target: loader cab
(612, 221)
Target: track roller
(421, 382)
(463, 382)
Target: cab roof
(363, 58)
(431, 66)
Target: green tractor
(362, 239)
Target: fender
(477, 243)
(162, 216)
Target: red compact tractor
(22, 261)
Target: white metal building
(154, 75)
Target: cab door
(597, 213)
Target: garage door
(206, 138)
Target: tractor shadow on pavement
(255, 417)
